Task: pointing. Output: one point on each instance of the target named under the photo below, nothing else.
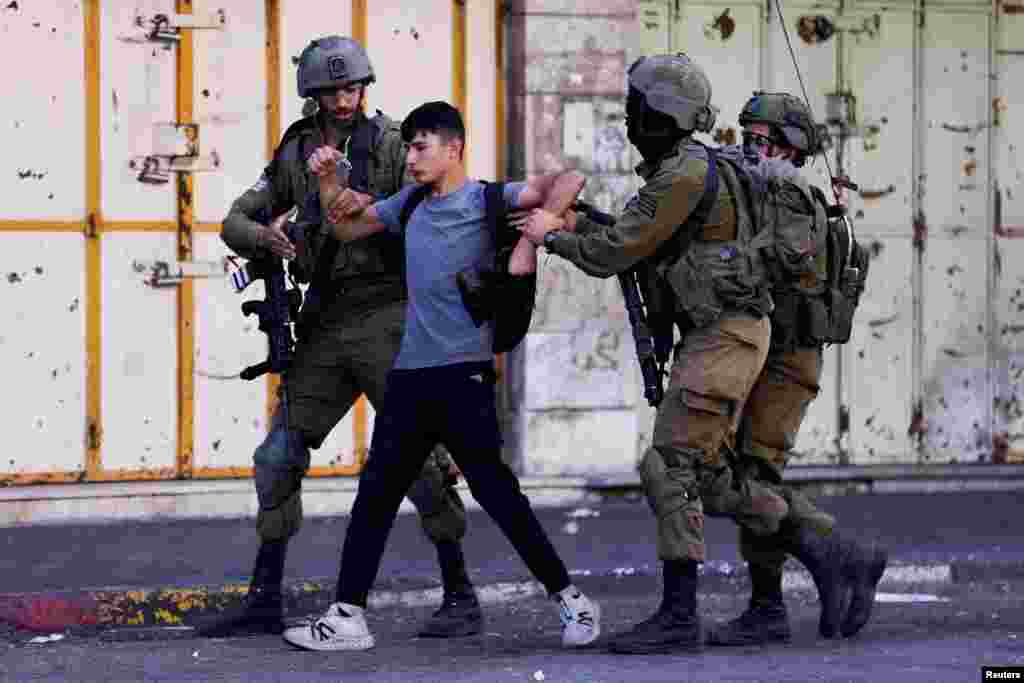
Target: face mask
(652, 144)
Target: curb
(185, 607)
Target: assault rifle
(651, 355)
(276, 312)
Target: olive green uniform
(719, 287)
(790, 379)
(353, 347)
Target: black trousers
(453, 405)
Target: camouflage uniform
(844, 572)
(719, 289)
(715, 363)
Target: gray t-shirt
(444, 236)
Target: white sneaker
(581, 617)
(343, 627)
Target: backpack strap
(496, 212)
(415, 199)
(360, 152)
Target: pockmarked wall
(920, 103)
(120, 336)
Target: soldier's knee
(448, 525)
(282, 522)
(283, 448)
(668, 478)
(433, 494)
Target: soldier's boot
(764, 621)
(675, 627)
(460, 613)
(824, 558)
(262, 612)
(862, 570)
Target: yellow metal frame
(93, 226)
(459, 76)
(186, 290)
(360, 442)
(273, 77)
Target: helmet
(332, 62)
(675, 86)
(789, 118)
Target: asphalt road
(949, 639)
(601, 537)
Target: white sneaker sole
(581, 637)
(302, 640)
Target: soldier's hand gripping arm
(650, 218)
(248, 229)
(552, 194)
(349, 218)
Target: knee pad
(282, 522)
(669, 480)
(283, 448)
(673, 497)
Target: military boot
(823, 556)
(675, 627)
(459, 614)
(764, 621)
(263, 612)
(862, 571)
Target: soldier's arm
(243, 229)
(648, 220)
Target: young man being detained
(441, 389)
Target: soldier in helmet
(779, 132)
(689, 228)
(350, 330)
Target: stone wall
(573, 387)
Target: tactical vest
(377, 258)
(721, 268)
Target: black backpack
(489, 292)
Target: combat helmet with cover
(675, 86)
(333, 62)
(788, 118)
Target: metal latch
(175, 150)
(170, 273)
(166, 28)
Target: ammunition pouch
(805, 320)
(845, 298)
(799, 320)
